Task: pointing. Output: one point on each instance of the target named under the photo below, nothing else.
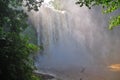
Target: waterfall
(75, 38)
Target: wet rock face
(45, 76)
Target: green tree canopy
(109, 6)
(15, 63)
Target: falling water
(77, 43)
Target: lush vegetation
(109, 6)
(30, 33)
(56, 4)
(15, 63)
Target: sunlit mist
(114, 67)
(77, 43)
(47, 1)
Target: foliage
(109, 6)
(30, 32)
(15, 63)
(56, 4)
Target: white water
(74, 39)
